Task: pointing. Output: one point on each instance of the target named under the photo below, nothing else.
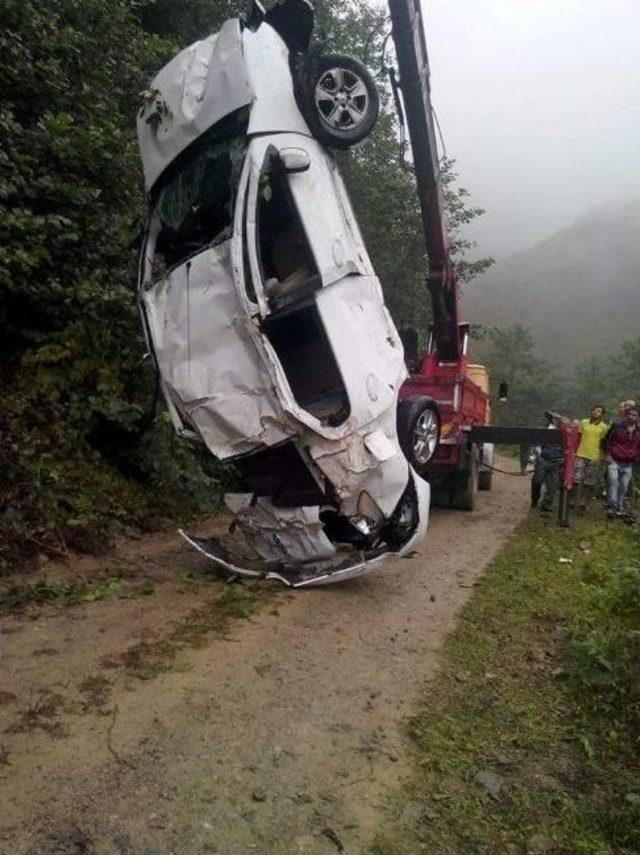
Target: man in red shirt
(621, 451)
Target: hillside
(578, 290)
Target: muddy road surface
(175, 714)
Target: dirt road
(282, 734)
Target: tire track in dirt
(284, 739)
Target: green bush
(75, 392)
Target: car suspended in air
(261, 308)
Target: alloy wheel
(342, 99)
(425, 437)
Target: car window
(287, 266)
(289, 279)
(196, 200)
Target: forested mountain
(578, 291)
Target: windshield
(196, 202)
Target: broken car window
(286, 259)
(195, 204)
(290, 280)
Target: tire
(485, 479)
(485, 476)
(465, 495)
(418, 423)
(339, 100)
(404, 520)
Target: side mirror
(503, 393)
(294, 160)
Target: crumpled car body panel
(207, 354)
(309, 573)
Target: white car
(262, 310)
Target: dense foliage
(533, 384)
(79, 457)
(75, 460)
(609, 379)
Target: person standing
(623, 406)
(621, 452)
(547, 471)
(411, 344)
(589, 455)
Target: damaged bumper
(290, 545)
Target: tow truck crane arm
(413, 65)
(445, 374)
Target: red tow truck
(447, 395)
(444, 412)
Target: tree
(626, 370)
(73, 387)
(185, 21)
(590, 384)
(606, 381)
(533, 384)
(381, 180)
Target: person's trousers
(588, 479)
(547, 475)
(618, 480)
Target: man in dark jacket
(621, 452)
(547, 471)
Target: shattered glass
(196, 204)
(208, 179)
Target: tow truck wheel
(418, 422)
(485, 478)
(464, 496)
(340, 100)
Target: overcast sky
(539, 102)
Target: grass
(42, 713)
(96, 691)
(106, 584)
(528, 739)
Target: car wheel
(404, 520)
(418, 422)
(340, 100)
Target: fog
(539, 102)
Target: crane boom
(446, 378)
(413, 64)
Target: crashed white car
(261, 308)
